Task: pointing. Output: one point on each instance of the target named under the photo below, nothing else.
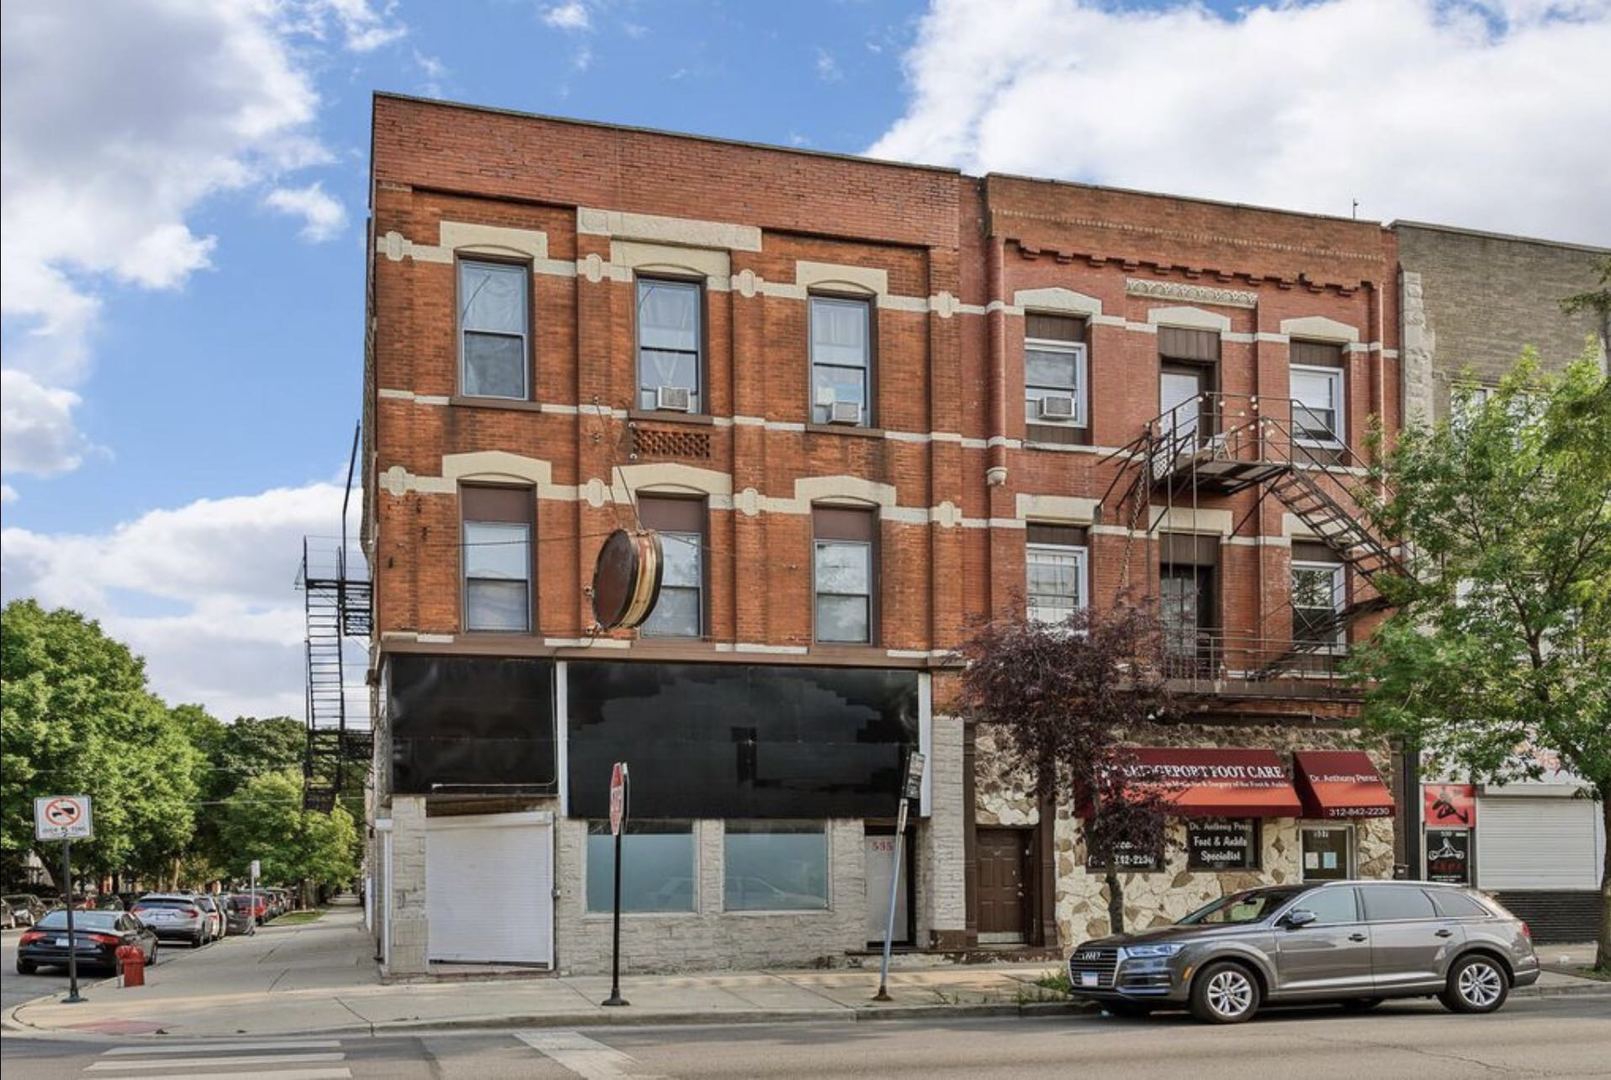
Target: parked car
(175, 916)
(111, 902)
(97, 935)
(241, 912)
(8, 918)
(26, 907)
(216, 923)
(1355, 943)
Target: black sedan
(97, 935)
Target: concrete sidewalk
(319, 978)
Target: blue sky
(185, 196)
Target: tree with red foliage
(1065, 699)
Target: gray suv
(1356, 943)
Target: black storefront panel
(740, 741)
(471, 724)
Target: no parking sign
(62, 817)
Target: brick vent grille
(669, 443)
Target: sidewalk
(319, 978)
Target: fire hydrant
(131, 958)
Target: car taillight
(104, 939)
(1527, 932)
(30, 937)
(191, 913)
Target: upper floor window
(494, 328)
(680, 610)
(670, 343)
(841, 360)
(1055, 389)
(496, 538)
(844, 568)
(1319, 593)
(1055, 564)
(1317, 393)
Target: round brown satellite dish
(626, 579)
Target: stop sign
(618, 783)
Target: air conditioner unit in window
(844, 412)
(674, 398)
(1057, 407)
(825, 396)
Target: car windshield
(82, 920)
(1239, 909)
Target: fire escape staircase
(336, 605)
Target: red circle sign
(618, 776)
(63, 812)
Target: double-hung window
(679, 612)
(1055, 387)
(1057, 576)
(1319, 594)
(496, 544)
(670, 341)
(1317, 383)
(494, 328)
(844, 568)
(841, 360)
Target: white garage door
(1535, 842)
(489, 883)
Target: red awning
(1219, 783)
(1341, 784)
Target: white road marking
(196, 1063)
(223, 1047)
(268, 1074)
(585, 1057)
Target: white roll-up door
(1533, 842)
(489, 883)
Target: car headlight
(1152, 950)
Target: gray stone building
(1472, 301)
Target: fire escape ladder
(335, 606)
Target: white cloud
(37, 433)
(323, 216)
(204, 592)
(435, 73)
(571, 15)
(1488, 114)
(114, 129)
(8, 494)
(828, 67)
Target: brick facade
(951, 265)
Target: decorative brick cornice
(1191, 294)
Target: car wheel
(1477, 984)
(1361, 1004)
(26, 967)
(1224, 993)
(198, 941)
(151, 961)
(1130, 1010)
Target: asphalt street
(16, 989)
(1537, 1037)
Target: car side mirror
(1298, 918)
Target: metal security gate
(489, 883)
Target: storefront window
(657, 867)
(1129, 858)
(1223, 845)
(776, 866)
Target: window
(1319, 594)
(1055, 565)
(1054, 368)
(1330, 906)
(1240, 909)
(657, 866)
(841, 358)
(1390, 903)
(1222, 845)
(681, 524)
(1457, 905)
(1317, 404)
(493, 328)
(497, 558)
(775, 866)
(669, 337)
(843, 574)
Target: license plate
(162, 916)
(1087, 978)
(61, 943)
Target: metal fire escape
(336, 606)
(1219, 444)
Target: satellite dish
(626, 579)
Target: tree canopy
(265, 820)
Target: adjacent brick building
(864, 404)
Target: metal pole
(72, 997)
(251, 926)
(894, 894)
(615, 997)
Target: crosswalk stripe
(585, 1057)
(265, 1074)
(195, 1063)
(223, 1047)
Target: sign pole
(618, 786)
(251, 927)
(911, 788)
(72, 997)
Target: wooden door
(1002, 856)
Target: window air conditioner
(1057, 407)
(844, 412)
(674, 398)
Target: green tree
(265, 820)
(1498, 657)
(1596, 301)
(76, 718)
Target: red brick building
(864, 403)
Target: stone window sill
(494, 403)
(659, 416)
(845, 429)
